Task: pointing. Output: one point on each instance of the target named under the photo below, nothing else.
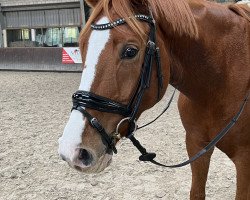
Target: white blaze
(72, 135)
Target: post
(1, 35)
(33, 35)
(82, 13)
(5, 42)
(1, 27)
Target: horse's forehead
(96, 45)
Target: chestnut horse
(204, 50)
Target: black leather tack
(84, 99)
(147, 157)
(94, 122)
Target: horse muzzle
(85, 160)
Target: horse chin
(97, 167)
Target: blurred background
(29, 29)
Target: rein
(85, 99)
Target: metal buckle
(117, 134)
(151, 47)
(151, 44)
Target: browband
(120, 22)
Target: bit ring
(117, 134)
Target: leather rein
(85, 99)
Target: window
(70, 36)
(53, 37)
(44, 37)
(19, 37)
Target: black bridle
(85, 99)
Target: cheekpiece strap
(97, 125)
(120, 22)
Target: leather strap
(165, 109)
(150, 156)
(96, 102)
(96, 125)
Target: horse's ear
(92, 3)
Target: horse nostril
(85, 157)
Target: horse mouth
(96, 167)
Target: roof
(32, 2)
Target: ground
(34, 108)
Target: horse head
(123, 76)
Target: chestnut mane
(176, 14)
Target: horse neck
(207, 67)
(191, 69)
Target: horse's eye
(129, 53)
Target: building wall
(34, 59)
(32, 2)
